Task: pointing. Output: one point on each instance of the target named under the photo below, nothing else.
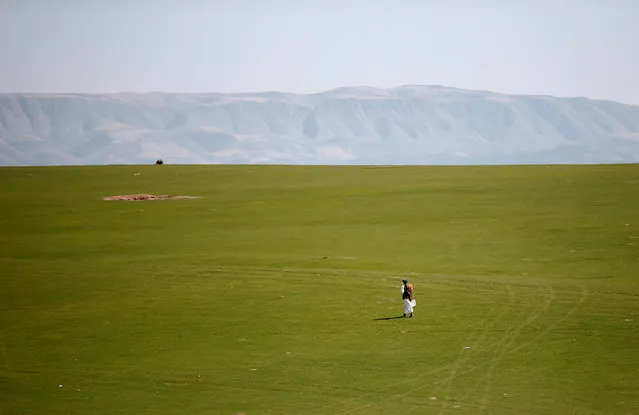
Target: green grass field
(274, 292)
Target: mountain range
(409, 124)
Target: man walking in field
(407, 296)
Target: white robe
(408, 304)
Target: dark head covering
(405, 281)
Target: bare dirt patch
(148, 197)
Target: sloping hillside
(403, 125)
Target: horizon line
(318, 92)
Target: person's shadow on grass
(387, 318)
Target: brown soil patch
(148, 197)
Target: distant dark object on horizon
(159, 161)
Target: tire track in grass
(503, 408)
(504, 346)
(582, 298)
(484, 404)
(508, 340)
(457, 367)
(460, 360)
(477, 336)
(509, 336)
(464, 355)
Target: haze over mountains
(353, 125)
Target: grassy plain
(275, 292)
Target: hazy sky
(561, 47)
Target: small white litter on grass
(466, 347)
(629, 319)
(433, 398)
(252, 370)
